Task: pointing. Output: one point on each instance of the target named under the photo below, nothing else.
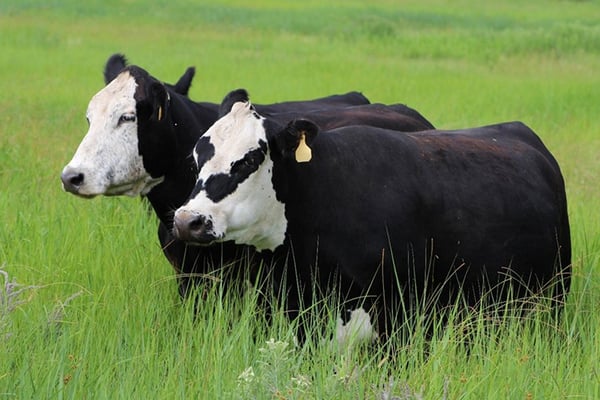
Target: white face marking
(358, 329)
(251, 214)
(108, 156)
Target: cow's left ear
(185, 82)
(296, 139)
(114, 66)
(160, 100)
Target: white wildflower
(301, 382)
(247, 376)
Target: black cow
(389, 216)
(139, 142)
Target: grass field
(89, 306)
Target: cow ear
(160, 97)
(185, 82)
(296, 139)
(114, 65)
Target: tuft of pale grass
(12, 295)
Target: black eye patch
(197, 189)
(219, 186)
(205, 151)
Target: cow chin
(81, 192)
(195, 237)
(203, 241)
(83, 195)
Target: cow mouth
(86, 196)
(136, 188)
(75, 183)
(76, 191)
(82, 195)
(200, 238)
(202, 243)
(193, 228)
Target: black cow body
(453, 212)
(390, 217)
(397, 117)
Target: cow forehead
(118, 95)
(242, 123)
(233, 136)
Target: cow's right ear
(296, 139)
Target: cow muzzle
(193, 228)
(73, 180)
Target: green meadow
(88, 304)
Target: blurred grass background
(125, 334)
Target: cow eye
(241, 165)
(126, 118)
(245, 165)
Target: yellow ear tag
(303, 152)
(159, 113)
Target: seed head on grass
(58, 313)
(406, 392)
(275, 374)
(11, 296)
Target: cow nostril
(197, 224)
(76, 179)
(72, 180)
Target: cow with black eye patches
(140, 140)
(383, 216)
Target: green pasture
(88, 304)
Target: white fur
(108, 155)
(358, 329)
(251, 214)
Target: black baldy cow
(388, 214)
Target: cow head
(234, 198)
(121, 152)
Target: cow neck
(188, 121)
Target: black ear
(232, 98)
(114, 65)
(296, 139)
(159, 100)
(185, 82)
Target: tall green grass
(98, 314)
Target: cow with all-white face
(388, 216)
(115, 167)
